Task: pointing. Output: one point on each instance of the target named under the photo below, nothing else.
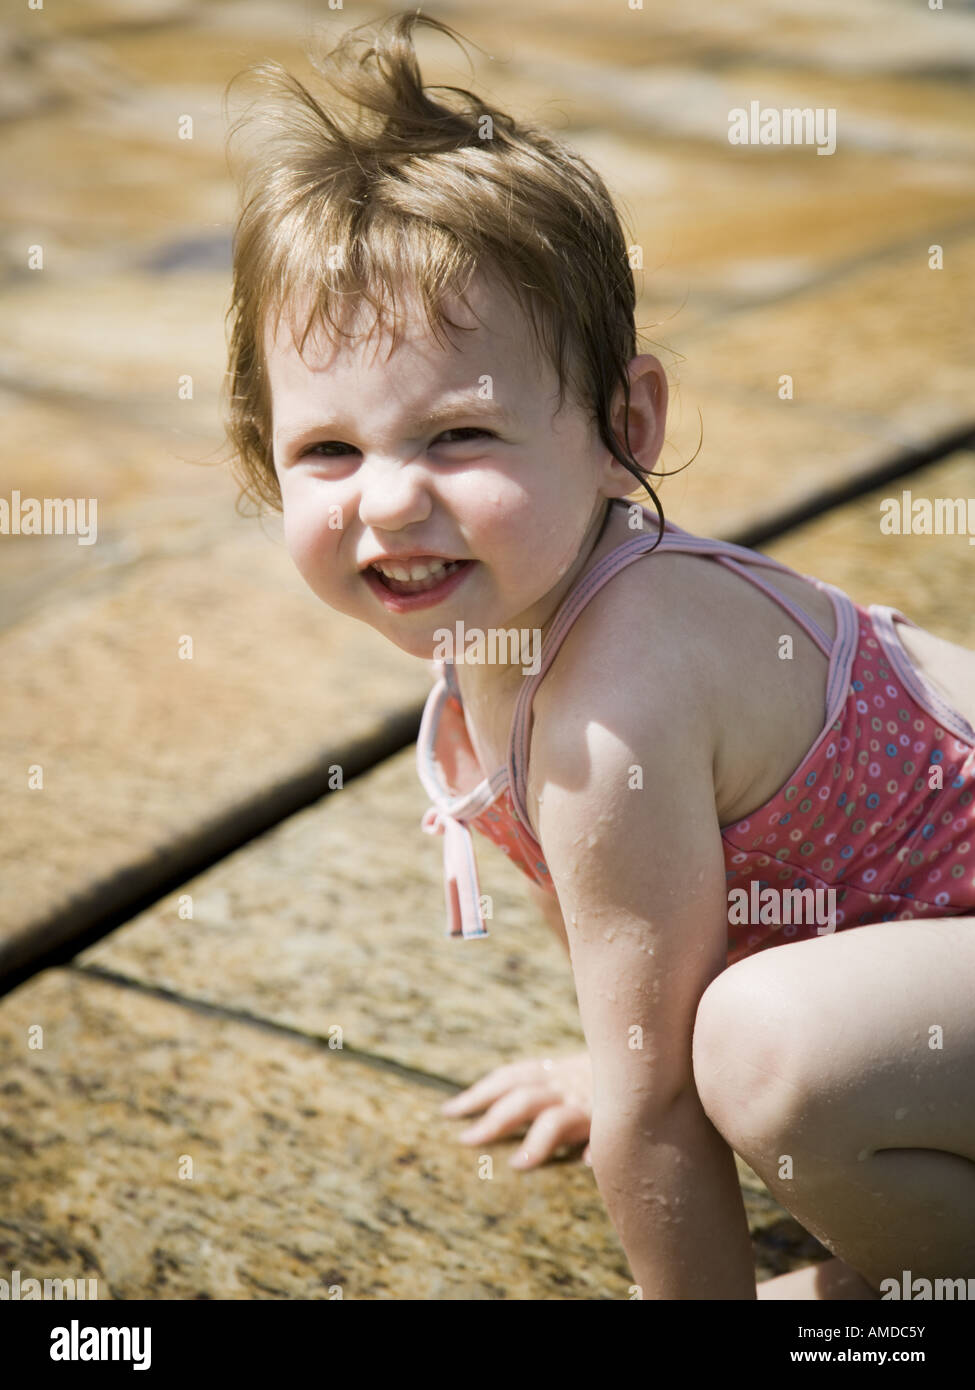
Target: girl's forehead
(450, 358)
(378, 350)
(485, 311)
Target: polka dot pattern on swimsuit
(883, 809)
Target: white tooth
(415, 573)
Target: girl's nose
(393, 496)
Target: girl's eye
(467, 429)
(326, 444)
(336, 448)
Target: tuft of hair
(350, 201)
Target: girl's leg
(841, 1070)
(829, 1280)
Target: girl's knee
(750, 1057)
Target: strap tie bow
(462, 891)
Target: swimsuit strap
(674, 538)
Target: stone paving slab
(871, 36)
(137, 79)
(931, 579)
(152, 489)
(887, 350)
(314, 1176)
(721, 230)
(124, 323)
(91, 187)
(152, 330)
(756, 458)
(171, 1153)
(337, 917)
(694, 103)
(144, 753)
(86, 15)
(874, 36)
(866, 385)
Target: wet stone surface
(316, 1170)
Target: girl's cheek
(301, 537)
(291, 530)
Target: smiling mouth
(436, 575)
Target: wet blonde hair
(342, 206)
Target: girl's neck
(486, 686)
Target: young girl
(434, 373)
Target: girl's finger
(559, 1124)
(510, 1113)
(491, 1087)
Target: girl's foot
(831, 1279)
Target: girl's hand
(555, 1092)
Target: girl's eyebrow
(487, 411)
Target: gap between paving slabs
(109, 904)
(307, 1172)
(780, 1240)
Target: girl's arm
(671, 1189)
(550, 908)
(641, 879)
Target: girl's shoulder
(695, 646)
(645, 630)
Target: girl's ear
(648, 409)
(647, 420)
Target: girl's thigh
(847, 1044)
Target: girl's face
(449, 452)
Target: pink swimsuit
(858, 815)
